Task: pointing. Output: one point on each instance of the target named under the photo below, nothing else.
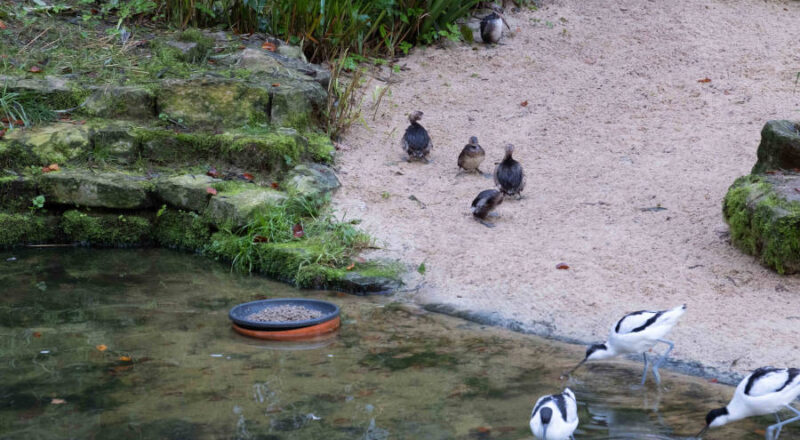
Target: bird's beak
(703, 431)
(544, 432)
(568, 373)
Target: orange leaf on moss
(37, 334)
(268, 46)
(125, 358)
(351, 266)
(102, 347)
(211, 191)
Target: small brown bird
(471, 156)
(485, 203)
(416, 141)
(508, 175)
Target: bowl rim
(246, 323)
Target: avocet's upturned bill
(637, 332)
(764, 391)
(555, 417)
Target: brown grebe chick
(416, 141)
(471, 156)
(508, 175)
(485, 203)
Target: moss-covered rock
(311, 180)
(182, 230)
(236, 206)
(57, 143)
(53, 91)
(779, 147)
(187, 191)
(16, 192)
(17, 229)
(106, 229)
(214, 102)
(127, 102)
(763, 212)
(113, 142)
(83, 187)
(296, 104)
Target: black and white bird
(637, 332)
(555, 417)
(508, 174)
(491, 28)
(416, 141)
(766, 390)
(471, 156)
(485, 203)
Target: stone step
(123, 142)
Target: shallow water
(392, 371)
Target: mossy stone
(113, 142)
(779, 147)
(82, 187)
(236, 208)
(44, 145)
(106, 229)
(182, 230)
(296, 104)
(186, 191)
(128, 102)
(311, 180)
(764, 217)
(214, 102)
(17, 229)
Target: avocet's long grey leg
(775, 430)
(644, 373)
(661, 360)
(778, 418)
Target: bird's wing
(522, 179)
(769, 380)
(484, 22)
(404, 142)
(636, 322)
(572, 406)
(496, 170)
(462, 157)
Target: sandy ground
(615, 121)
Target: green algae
(17, 229)
(182, 230)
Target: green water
(391, 372)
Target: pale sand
(616, 121)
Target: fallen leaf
(524, 103)
(125, 358)
(211, 191)
(37, 334)
(276, 84)
(2, 133)
(247, 176)
(274, 185)
(102, 347)
(704, 80)
(2, 25)
(120, 368)
(213, 173)
(57, 401)
(260, 239)
(771, 172)
(268, 46)
(351, 266)
(562, 266)
(53, 167)
(297, 230)
(46, 170)
(483, 430)
(713, 380)
(35, 69)
(212, 62)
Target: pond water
(136, 344)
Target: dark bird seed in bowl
(284, 313)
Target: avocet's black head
(714, 418)
(415, 116)
(473, 140)
(592, 349)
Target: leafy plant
(11, 109)
(344, 98)
(37, 203)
